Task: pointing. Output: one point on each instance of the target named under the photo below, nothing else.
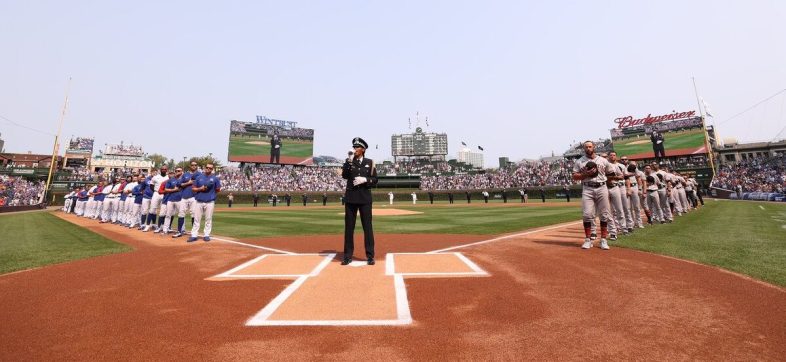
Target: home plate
(357, 263)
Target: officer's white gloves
(359, 180)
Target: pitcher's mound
(390, 212)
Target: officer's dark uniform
(275, 152)
(288, 197)
(305, 199)
(358, 198)
(543, 194)
(450, 197)
(275, 199)
(256, 199)
(468, 197)
(324, 199)
(504, 197)
(431, 197)
(567, 193)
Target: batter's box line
(318, 269)
(390, 267)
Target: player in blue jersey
(173, 195)
(205, 189)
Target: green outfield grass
(243, 146)
(487, 220)
(738, 236)
(673, 141)
(36, 239)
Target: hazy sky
(521, 79)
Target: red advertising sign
(628, 121)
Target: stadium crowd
(16, 191)
(760, 174)
(525, 174)
(282, 178)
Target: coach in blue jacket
(360, 174)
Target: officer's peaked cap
(359, 142)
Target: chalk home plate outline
(425, 265)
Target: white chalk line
(505, 237)
(254, 246)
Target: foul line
(255, 246)
(504, 237)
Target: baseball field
(245, 149)
(471, 282)
(676, 143)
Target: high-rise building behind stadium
(471, 158)
(419, 145)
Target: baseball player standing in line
(664, 189)
(68, 200)
(390, 196)
(99, 200)
(128, 199)
(615, 197)
(110, 203)
(652, 185)
(626, 191)
(147, 197)
(187, 194)
(155, 201)
(172, 189)
(137, 194)
(591, 170)
(81, 202)
(205, 188)
(414, 198)
(634, 198)
(682, 196)
(91, 203)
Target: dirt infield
(545, 298)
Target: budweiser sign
(625, 122)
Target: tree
(158, 160)
(201, 161)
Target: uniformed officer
(288, 198)
(543, 194)
(430, 196)
(468, 197)
(324, 199)
(504, 196)
(305, 199)
(360, 173)
(450, 197)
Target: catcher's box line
(505, 237)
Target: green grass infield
(744, 237)
(436, 219)
(36, 239)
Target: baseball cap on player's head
(359, 142)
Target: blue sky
(521, 79)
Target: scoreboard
(420, 145)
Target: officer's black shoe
(346, 261)
(371, 261)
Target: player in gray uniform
(625, 191)
(652, 185)
(664, 190)
(615, 175)
(591, 170)
(690, 191)
(682, 194)
(633, 181)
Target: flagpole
(56, 146)
(704, 127)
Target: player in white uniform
(155, 201)
(68, 199)
(112, 193)
(390, 196)
(591, 170)
(126, 205)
